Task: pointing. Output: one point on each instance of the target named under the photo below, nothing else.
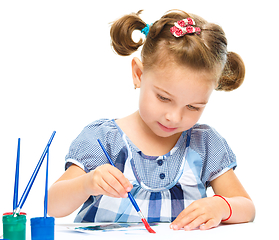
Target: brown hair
(206, 51)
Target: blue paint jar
(42, 228)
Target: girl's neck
(144, 138)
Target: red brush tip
(148, 228)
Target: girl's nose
(174, 116)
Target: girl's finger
(196, 223)
(106, 189)
(114, 184)
(211, 223)
(121, 179)
(183, 219)
(183, 214)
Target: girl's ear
(137, 69)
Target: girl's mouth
(166, 129)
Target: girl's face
(172, 99)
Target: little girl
(162, 155)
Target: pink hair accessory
(185, 22)
(184, 27)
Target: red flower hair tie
(183, 27)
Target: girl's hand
(204, 213)
(107, 180)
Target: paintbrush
(46, 187)
(33, 177)
(133, 201)
(15, 200)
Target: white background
(58, 72)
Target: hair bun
(233, 74)
(121, 33)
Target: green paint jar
(14, 227)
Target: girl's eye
(163, 98)
(190, 107)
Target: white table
(234, 231)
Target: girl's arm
(209, 212)
(228, 186)
(75, 186)
(67, 193)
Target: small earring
(136, 86)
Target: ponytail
(121, 34)
(233, 74)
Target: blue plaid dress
(162, 185)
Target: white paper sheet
(236, 231)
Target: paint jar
(14, 227)
(42, 228)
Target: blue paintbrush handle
(34, 175)
(46, 187)
(133, 201)
(106, 153)
(16, 176)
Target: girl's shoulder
(213, 150)
(206, 141)
(101, 128)
(104, 129)
(103, 123)
(203, 132)
(202, 127)
(85, 150)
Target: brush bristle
(147, 226)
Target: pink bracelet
(228, 205)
